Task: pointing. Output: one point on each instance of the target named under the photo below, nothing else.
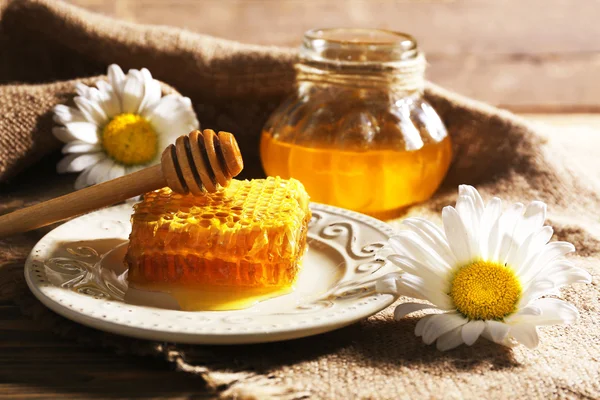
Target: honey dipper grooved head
(201, 161)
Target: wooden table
(522, 55)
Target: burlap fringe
(237, 385)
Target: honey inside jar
(376, 182)
(357, 131)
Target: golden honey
(222, 250)
(357, 131)
(376, 182)
(217, 298)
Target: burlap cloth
(234, 87)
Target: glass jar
(357, 131)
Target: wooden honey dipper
(197, 163)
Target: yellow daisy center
(130, 139)
(485, 290)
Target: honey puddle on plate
(210, 298)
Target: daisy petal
(152, 91)
(419, 289)
(172, 116)
(401, 289)
(81, 180)
(116, 171)
(471, 331)
(525, 334)
(413, 267)
(532, 221)
(563, 273)
(63, 134)
(82, 90)
(488, 220)
(530, 248)
(84, 131)
(457, 235)
(104, 87)
(553, 312)
(497, 331)
(421, 325)
(91, 110)
(549, 253)
(439, 324)
(523, 314)
(466, 210)
(65, 114)
(433, 236)
(133, 92)
(555, 250)
(408, 308)
(116, 78)
(507, 226)
(471, 192)
(449, 340)
(78, 162)
(100, 172)
(411, 245)
(78, 146)
(388, 284)
(535, 290)
(92, 94)
(111, 103)
(495, 237)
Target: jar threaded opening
(358, 45)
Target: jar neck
(406, 77)
(362, 58)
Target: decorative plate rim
(106, 315)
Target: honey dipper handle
(82, 201)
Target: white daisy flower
(119, 126)
(487, 271)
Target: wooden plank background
(532, 55)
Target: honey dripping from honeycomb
(220, 251)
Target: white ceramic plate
(77, 271)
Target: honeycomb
(250, 234)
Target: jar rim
(356, 44)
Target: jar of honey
(357, 132)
